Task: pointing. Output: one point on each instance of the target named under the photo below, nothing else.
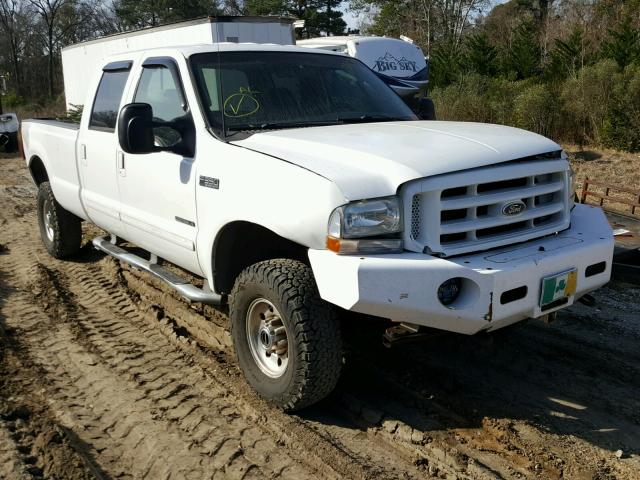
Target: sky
(349, 17)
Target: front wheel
(287, 339)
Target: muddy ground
(104, 373)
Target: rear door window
(107, 101)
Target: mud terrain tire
(312, 331)
(60, 230)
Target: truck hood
(374, 159)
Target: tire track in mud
(12, 464)
(354, 458)
(337, 423)
(32, 444)
(140, 403)
(173, 363)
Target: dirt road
(104, 373)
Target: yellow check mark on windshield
(241, 104)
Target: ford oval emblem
(513, 208)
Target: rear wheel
(60, 230)
(287, 339)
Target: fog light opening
(449, 291)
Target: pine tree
(481, 56)
(330, 20)
(523, 57)
(320, 16)
(266, 7)
(623, 44)
(445, 64)
(567, 56)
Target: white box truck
(80, 61)
(298, 185)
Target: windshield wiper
(252, 128)
(368, 119)
(276, 125)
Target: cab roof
(189, 50)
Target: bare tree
(453, 17)
(48, 11)
(13, 19)
(104, 17)
(427, 21)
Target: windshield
(250, 91)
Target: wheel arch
(38, 170)
(240, 244)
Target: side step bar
(184, 288)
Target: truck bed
(48, 139)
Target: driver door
(157, 190)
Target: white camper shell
(400, 63)
(80, 61)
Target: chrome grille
(463, 211)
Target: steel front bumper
(403, 287)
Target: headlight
(352, 226)
(366, 218)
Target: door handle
(83, 154)
(121, 169)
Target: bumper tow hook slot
(405, 333)
(588, 300)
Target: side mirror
(424, 108)
(135, 128)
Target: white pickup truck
(297, 184)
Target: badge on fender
(209, 182)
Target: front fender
(290, 201)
